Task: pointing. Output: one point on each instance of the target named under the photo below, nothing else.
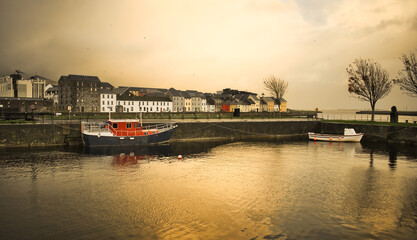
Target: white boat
(349, 136)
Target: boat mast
(140, 117)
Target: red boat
(124, 132)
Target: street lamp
(262, 109)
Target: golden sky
(208, 45)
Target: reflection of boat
(349, 136)
(157, 149)
(121, 132)
(123, 159)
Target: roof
(197, 94)
(52, 89)
(108, 91)
(120, 90)
(210, 101)
(106, 85)
(250, 101)
(72, 77)
(144, 98)
(185, 94)
(147, 90)
(175, 92)
(282, 100)
(268, 99)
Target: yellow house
(283, 105)
(268, 104)
(233, 106)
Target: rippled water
(238, 190)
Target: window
(128, 125)
(135, 125)
(104, 102)
(114, 125)
(104, 109)
(131, 109)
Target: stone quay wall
(70, 133)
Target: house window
(131, 109)
(114, 125)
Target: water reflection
(393, 152)
(245, 190)
(172, 149)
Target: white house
(108, 101)
(144, 104)
(178, 101)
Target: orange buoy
(315, 139)
(330, 138)
(340, 138)
(179, 157)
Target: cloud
(210, 45)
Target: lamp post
(262, 108)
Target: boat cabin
(128, 128)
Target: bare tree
(407, 77)
(276, 87)
(369, 81)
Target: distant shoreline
(404, 113)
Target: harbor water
(240, 190)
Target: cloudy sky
(208, 45)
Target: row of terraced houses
(80, 93)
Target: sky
(209, 45)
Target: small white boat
(349, 136)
